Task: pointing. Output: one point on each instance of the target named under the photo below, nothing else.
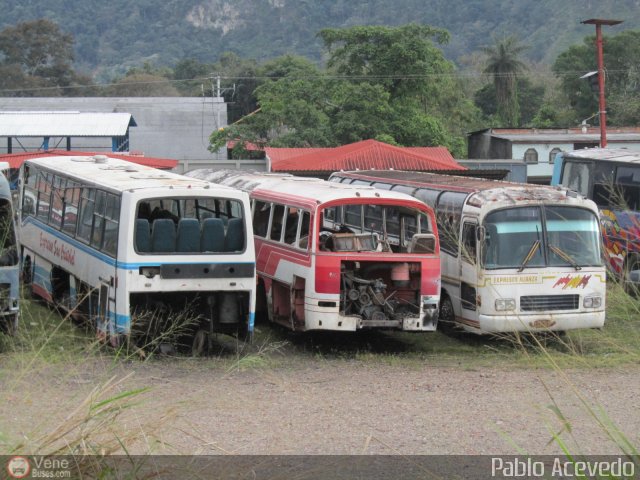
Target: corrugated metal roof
(561, 135)
(612, 154)
(366, 154)
(64, 124)
(569, 137)
(17, 159)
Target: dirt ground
(336, 406)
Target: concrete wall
(168, 127)
(543, 168)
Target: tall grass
(617, 344)
(48, 350)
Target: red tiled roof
(364, 155)
(17, 159)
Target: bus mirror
(480, 233)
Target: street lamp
(602, 106)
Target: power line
(328, 77)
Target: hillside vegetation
(111, 37)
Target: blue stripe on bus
(41, 276)
(105, 258)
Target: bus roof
(312, 190)
(487, 190)
(116, 174)
(609, 154)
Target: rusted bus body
(340, 258)
(611, 178)
(515, 257)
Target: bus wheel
(631, 282)
(200, 343)
(27, 276)
(10, 324)
(447, 316)
(262, 309)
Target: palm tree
(504, 66)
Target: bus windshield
(388, 227)
(541, 236)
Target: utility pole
(602, 105)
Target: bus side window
(449, 211)
(261, 218)
(111, 221)
(303, 241)
(469, 242)
(628, 182)
(575, 176)
(291, 225)
(71, 202)
(276, 222)
(86, 213)
(97, 234)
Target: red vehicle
(337, 257)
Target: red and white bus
(337, 257)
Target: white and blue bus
(9, 267)
(110, 241)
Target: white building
(166, 127)
(537, 148)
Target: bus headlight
(592, 302)
(504, 304)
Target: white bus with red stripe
(331, 257)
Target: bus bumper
(539, 323)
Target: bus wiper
(565, 257)
(530, 255)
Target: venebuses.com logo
(38, 466)
(18, 467)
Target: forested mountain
(111, 37)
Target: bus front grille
(534, 303)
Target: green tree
(402, 59)
(192, 77)
(395, 84)
(142, 85)
(621, 60)
(530, 99)
(503, 66)
(40, 56)
(407, 63)
(239, 79)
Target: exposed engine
(382, 294)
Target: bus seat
(163, 235)
(188, 235)
(212, 239)
(234, 239)
(142, 235)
